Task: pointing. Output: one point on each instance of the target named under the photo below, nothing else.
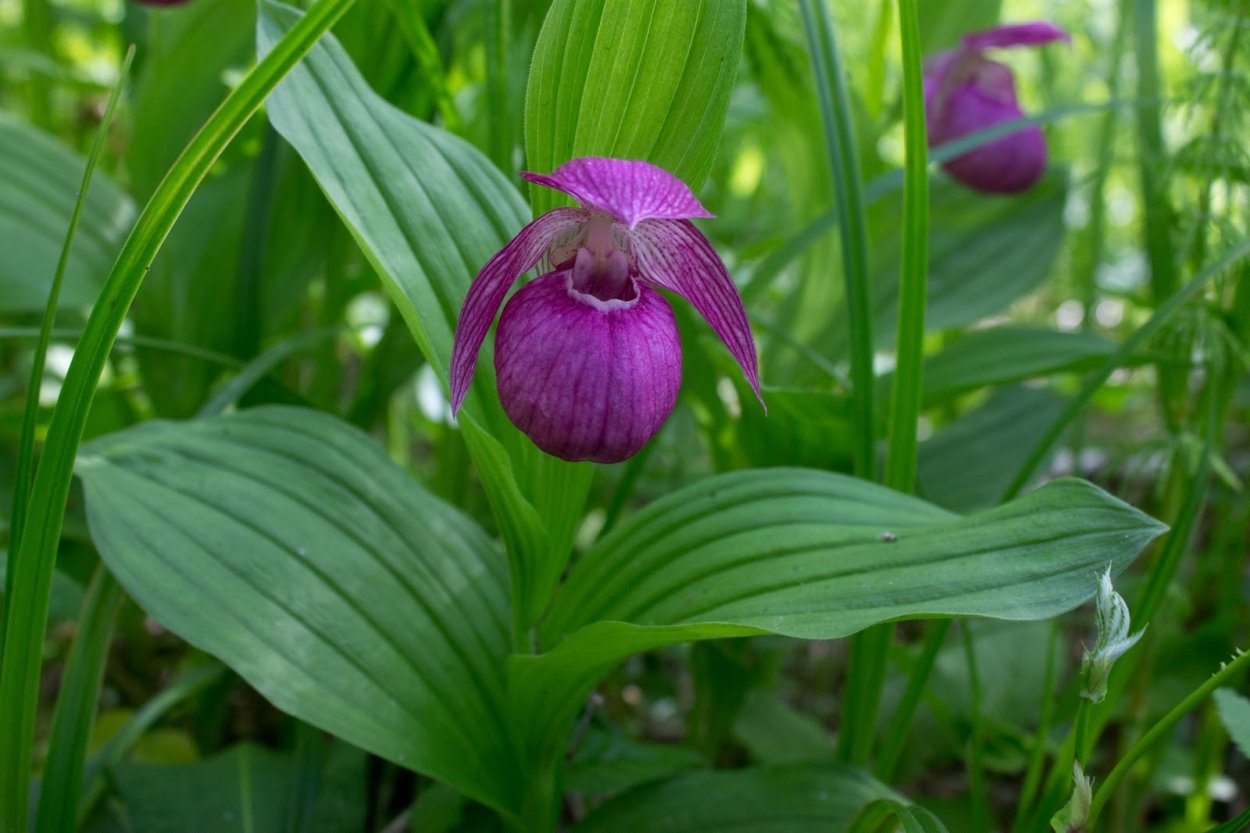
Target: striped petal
(629, 190)
(491, 286)
(674, 255)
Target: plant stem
(1037, 759)
(892, 746)
(835, 109)
(1162, 727)
(976, 772)
(31, 564)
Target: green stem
(76, 706)
(892, 745)
(1161, 728)
(1037, 758)
(26, 609)
(870, 649)
(835, 110)
(1126, 349)
(976, 771)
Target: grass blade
(32, 563)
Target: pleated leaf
(814, 555)
(39, 181)
(428, 210)
(636, 80)
(790, 799)
(287, 544)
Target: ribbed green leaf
(286, 543)
(1234, 712)
(817, 556)
(636, 80)
(428, 210)
(966, 465)
(39, 181)
(1009, 354)
(243, 789)
(984, 252)
(886, 816)
(792, 799)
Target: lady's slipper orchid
(587, 355)
(965, 92)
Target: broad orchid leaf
(284, 542)
(886, 816)
(791, 799)
(636, 80)
(999, 355)
(814, 555)
(984, 252)
(967, 464)
(428, 210)
(39, 180)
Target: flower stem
(1160, 729)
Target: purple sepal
(586, 382)
(1035, 33)
(491, 286)
(629, 190)
(675, 255)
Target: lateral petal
(630, 190)
(674, 255)
(491, 285)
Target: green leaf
(882, 817)
(942, 24)
(966, 465)
(39, 182)
(639, 80)
(1234, 712)
(984, 252)
(608, 762)
(1011, 353)
(775, 732)
(427, 210)
(242, 789)
(813, 555)
(285, 543)
(792, 799)
(66, 593)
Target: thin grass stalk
(891, 750)
(26, 609)
(870, 649)
(976, 770)
(1121, 355)
(76, 706)
(30, 415)
(835, 110)
(1037, 758)
(1156, 206)
(1160, 729)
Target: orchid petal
(674, 255)
(1036, 33)
(629, 190)
(491, 286)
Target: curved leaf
(636, 80)
(39, 181)
(814, 555)
(884, 816)
(790, 799)
(427, 209)
(285, 543)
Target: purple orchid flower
(965, 92)
(587, 355)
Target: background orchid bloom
(966, 92)
(587, 355)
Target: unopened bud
(1113, 640)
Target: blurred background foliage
(1026, 293)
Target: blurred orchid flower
(965, 92)
(587, 355)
